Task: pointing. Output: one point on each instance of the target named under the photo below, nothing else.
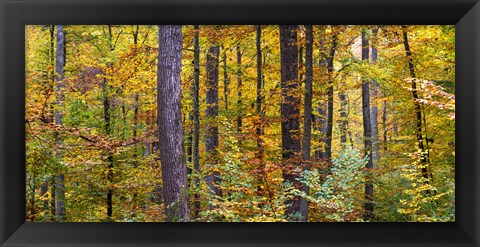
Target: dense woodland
(225, 123)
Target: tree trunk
(418, 109)
(289, 110)
(196, 120)
(384, 125)
(367, 133)
(108, 131)
(343, 118)
(375, 94)
(170, 131)
(331, 57)
(239, 90)
(59, 70)
(321, 119)
(211, 135)
(307, 108)
(258, 111)
(225, 78)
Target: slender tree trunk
(108, 131)
(258, 111)
(239, 90)
(196, 120)
(289, 110)
(225, 78)
(418, 109)
(343, 118)
(331, 57)
(307, 108)
(367, 133)
(170, 131)
(384, 125)
(135, 126)
(211, 135)
(321, 109)
(375, 94)
(59, 69)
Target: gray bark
(367, 133)
(321, 109)
(343, 122)
(375, 94)
(170, 131)
(59, 70)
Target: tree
(307, 109)
(170, 133)
(239, 89)
(258, 110)
(211, 135)
(321, 118)
(330, 69)
(196, 119)
(59, 70)
(289, 109)
(375, 94)
(418, 108)
(367, 132)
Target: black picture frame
(15, 14)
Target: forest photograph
(240, 123)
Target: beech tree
(170, 133)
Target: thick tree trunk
(59, 70)
(367, 133)
(211, 135)
(290, 110)
(196, 120)
(307, 109)
(418, 109)
(239, 90)
(170, 131)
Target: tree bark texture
(170, 131)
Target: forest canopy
(240, 123)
